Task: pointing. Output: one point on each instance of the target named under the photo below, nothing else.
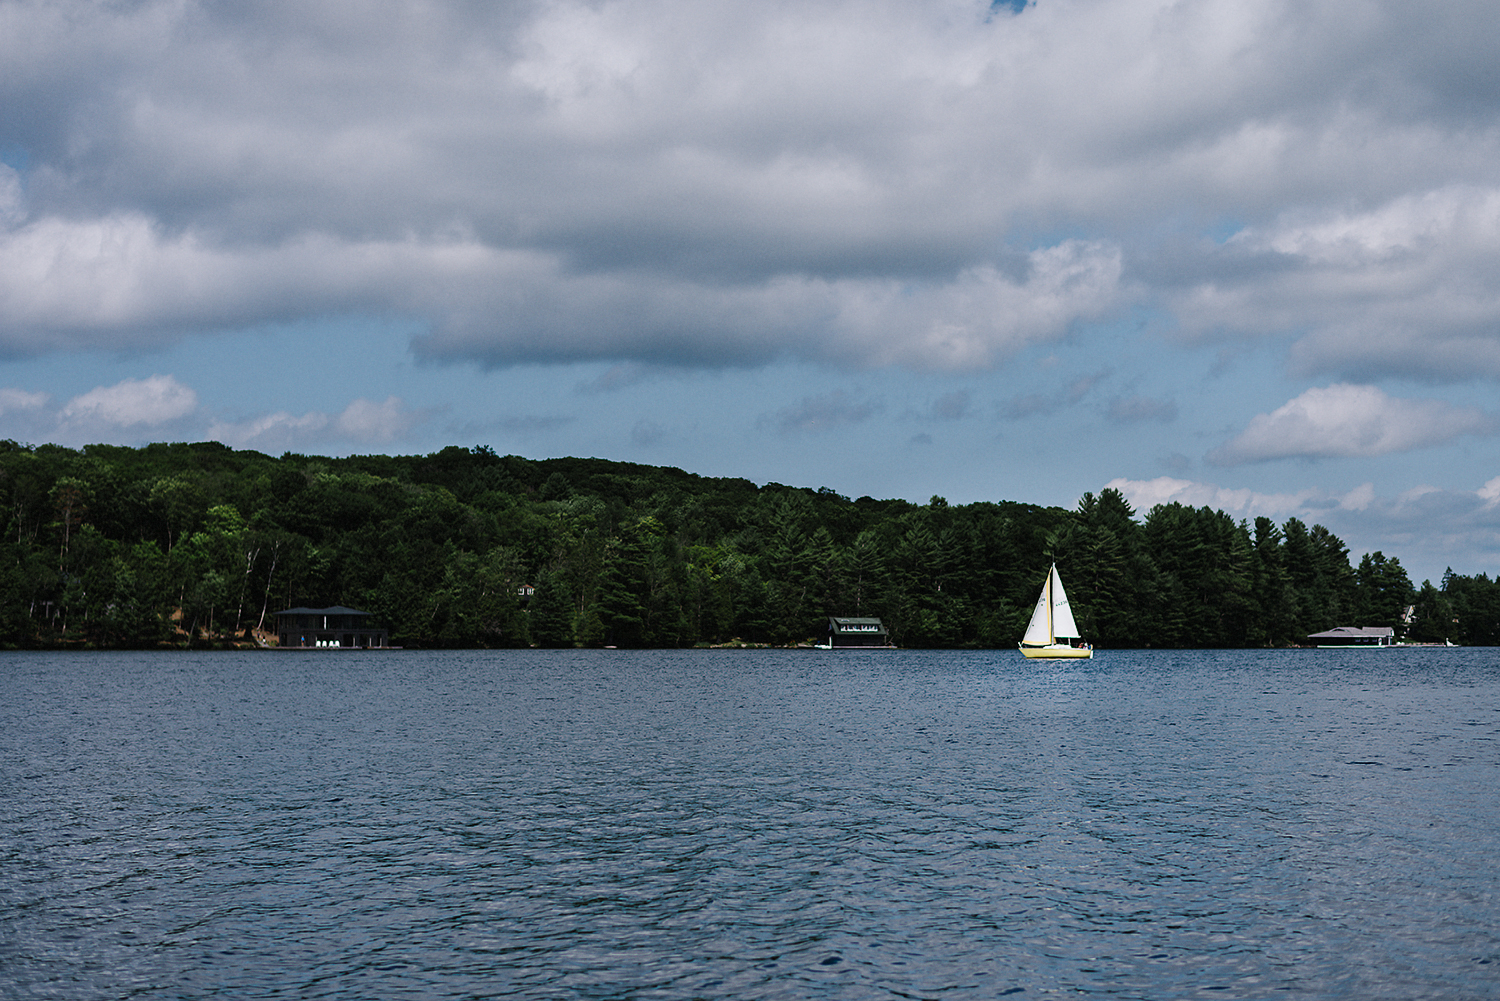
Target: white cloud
(726, 184)
(13, 400)
(366, 421)
(1345, 420)
(1490, 492)
(1415, 494)
(1358, 499)
(271, 432)
(152, 402)
(362, 422)
(1146, 494)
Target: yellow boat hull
(1057, 652)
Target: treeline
(183, 544)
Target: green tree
(70, 499)
(1432, 619)
(1271, 588)
(1384, 592)
(180, 503)
(551, 614)
(1097, 577)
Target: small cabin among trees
(846, 632)
(312, 628)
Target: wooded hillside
(177, 543)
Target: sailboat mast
(1047, 588)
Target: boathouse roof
(1354, 633)
(334, 610)
(845, 624)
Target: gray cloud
(1084, 385)
(1025, 405)
(1135, 409)
(1177, 463)
(1411, 286)
(680, 183)
(954, 406)
(647, 432)
(815, 414)
(618, 376)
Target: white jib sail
(1037, 633)
(1063, 625)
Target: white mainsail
(1063, 626)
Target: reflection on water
(750, 824)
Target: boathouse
(1354, 636)
(846, 632)
(329, 628)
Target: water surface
(750, 824)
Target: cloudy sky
(1242, 253)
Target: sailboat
(1052, 627)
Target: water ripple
(750, 825)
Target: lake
(750, 824)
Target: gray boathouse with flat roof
(1355, 636)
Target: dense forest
(200, 544)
